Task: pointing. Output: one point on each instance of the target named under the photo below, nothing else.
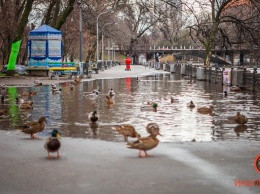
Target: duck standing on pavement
(34, 127)
(53, 144)
(146, 143)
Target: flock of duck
(52, 143)
(144, 144)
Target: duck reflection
(94, 129)
(240, 129)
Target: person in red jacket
(128, 62)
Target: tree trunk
(18, 37)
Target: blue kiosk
(45, 52)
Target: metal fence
(242, 77)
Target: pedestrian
(157, 64)
(128, 62)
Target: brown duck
(205, 110)
(77, 80)
(109, 100)
(53, 144)
(34, 126)
(127, 131)
(240, 119)
(146, 143)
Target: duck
(53, 144)
(22, 101)
(34, 127)
(225, 94)
(150, 107)
(94, 94)
(174, 99)
(205, 110)
(240, 118)
(26, 93)
(56, 91)
(53, 86)
(111, 93)
(191, 104)
(109, 100)
(77, 80)
(235, 88)
(93, 117)
(126, 130)
(25, 106)
(145, 143)
(37, 83)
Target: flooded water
(68, 111)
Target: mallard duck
(56, 91)
(34, 126)
(191, 104)
(93, 116)
(150, 107)
(53, 144)
(111, 93)
(240, 118)
(145, 143)
(205, 110)
(37, 83)
(127, 131)
(94, 94)
(77, 80)
(235, 88)
(109, 100)
(225, 94)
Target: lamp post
(102, 44)
(80, 30)
(97, 29)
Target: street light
(102, 44)
(97, 28)
(80, 30)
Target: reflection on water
(68, 111)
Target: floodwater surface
(68, 111)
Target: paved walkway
(97, 167)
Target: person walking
(128, 62)
(157, 64)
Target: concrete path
(97, 167)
